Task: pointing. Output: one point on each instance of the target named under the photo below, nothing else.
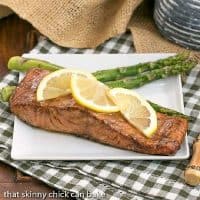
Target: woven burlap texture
(76, 23)
(88, 23)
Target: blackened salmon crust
(64, 115)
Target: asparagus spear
(121, 72)
(155, 74)
(22, 64)
(167, 111)
(7, 91)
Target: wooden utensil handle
(192, 172)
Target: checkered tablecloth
(117, 180)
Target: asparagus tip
(6, 92)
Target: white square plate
(35, 144)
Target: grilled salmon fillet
(64, 115)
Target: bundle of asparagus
(127, 77)
(143, 78)
(121, 72)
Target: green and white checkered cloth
(118, 180)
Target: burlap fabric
(76, 23)
(88, 23)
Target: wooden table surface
(16, 37)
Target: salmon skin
(64, 115)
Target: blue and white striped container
(179, 21)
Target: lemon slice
(92, 94)
(57, 84)
(135, 109)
